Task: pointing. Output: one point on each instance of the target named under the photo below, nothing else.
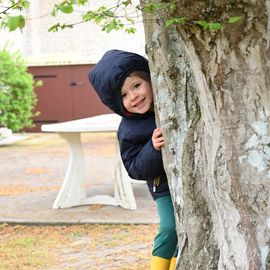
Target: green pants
(165, 243)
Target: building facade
(63, 59)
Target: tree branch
(8, 8)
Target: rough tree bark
(212, 98)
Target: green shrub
(17, 96)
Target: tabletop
(100, 123)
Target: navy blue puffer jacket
(139, 156)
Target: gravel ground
(109, 237)
(32, 172)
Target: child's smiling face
(137, 94)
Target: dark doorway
(66, 94)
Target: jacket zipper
(156, 182)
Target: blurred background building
(63, 59)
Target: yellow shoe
(173, 263)
(158, 263)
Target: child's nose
(133, 95)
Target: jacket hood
(108, 76)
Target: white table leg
(73, 189)
(123, 191)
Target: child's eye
(137, 85)
(123, 95)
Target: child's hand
(157, 139)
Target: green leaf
(215, 26)
(54, 28)
(101, 9)
(90, 15)
(151, 7)
(109, 13)
(109, 27)
(171, 6)
(113, 25)
(170, 22)
(82, 2)
(58, 26)
(235, 19)
(20, 5)
(126, 3)
(67, 26)
(130, 30)
(130, 20)
(15, 22)
(138, 7)
(203, 24)
(65, 8)
(54, 11)
(209, 25)
(98, 18)
(175, 21)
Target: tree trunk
(212, 99)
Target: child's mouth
(139, 103)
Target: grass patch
(91, 247)
(20, 250)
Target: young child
(122, 81)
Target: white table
(73, 189)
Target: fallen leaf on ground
(13, 190)
(36, 171)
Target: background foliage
(119, 15)
(17, 96)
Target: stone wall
(85, 43)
